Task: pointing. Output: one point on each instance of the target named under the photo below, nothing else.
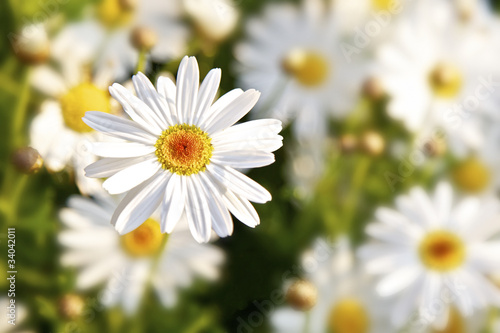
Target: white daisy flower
(57, 132)
(433, 70)
(293, 56)
(132, 261)
(214, 19)
(346, 302)
(433, 256)
(183, 152)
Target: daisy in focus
(132, 261)
(345, 301)
(183, 152)
(430, 251)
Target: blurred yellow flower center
(113, 13)
(442, 251)
(80, 99)
(184, 149)
(445, 80)
(309, 68)
(384, 4)
(348, 316)
(455, 323)
(471, 175)
(143, 241)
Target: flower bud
(143, 38)
(31, 45)
(27, 160)
(373, 89)
(435, 147)
(71, 306)
(302, 295)
(348, 143)
(372, 143)
(128, 4)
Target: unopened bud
(143, 38)
(128, 4)
(31, 45)
(27, 160)
(372, 143)
(71, 306)
(348, 143)
(435, 147)
(373, 89)
(302, 295)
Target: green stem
(307, 322)
(19, 117)
(141, 63)
(201, 322)
(358, 178)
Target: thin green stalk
(307, 322)
(358, 178)
(141, 63)
(19, 117)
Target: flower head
(183, 152)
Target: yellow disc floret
(348, 316)
(471, 175)
(184, 149)
(113, 13)
(309, 68)
(385, 4)
(442, 251)
(80, 99)
(445, 80)
(145, 240)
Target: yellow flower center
(184, 149)
(455, 323)
(113, 13)
(145, 240)
(309, 68)
(385, 4)
(442, 251)
(471, 175)
(80, 99)
(445, 80)
(348, 316)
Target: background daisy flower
(128, 264)
(183, 152)
(428, 247)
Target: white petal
(239, 183)
(118, 127)
(221, 219)
(398, 280)
(232, 112)
(219, 105)
(107, 167)
(121, 149)
(147, 93)
(443, 199)
(208, 90)
(174, 203)
(137, 109)
(243, 158)
(48, 81)
(197, 211)
(188, 79)
(140, 203)
(167, 89)
(132, 176)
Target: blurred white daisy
(131, 262)
(433, 256)
(16, 315)
(214, 20)
(293, 56)
(183, 152)
(346, 302)
(120, 28)
(57, 131)
(434, 70)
